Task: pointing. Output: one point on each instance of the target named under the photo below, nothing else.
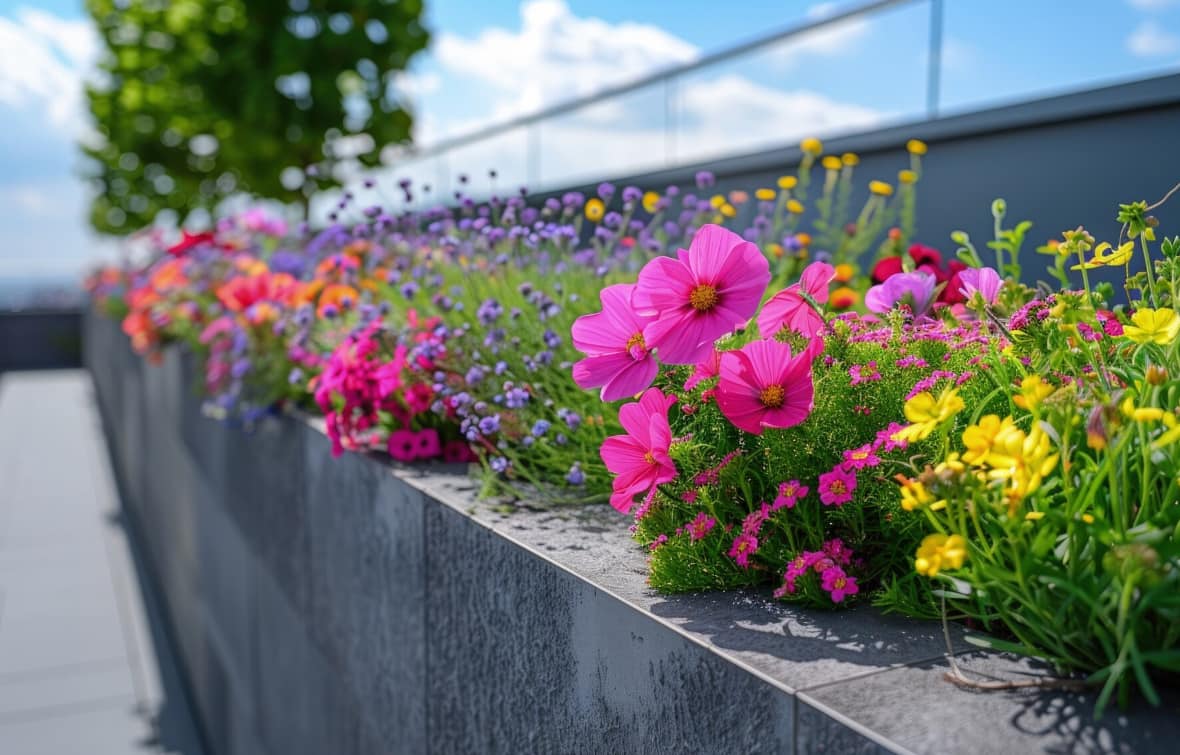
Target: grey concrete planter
(351, 605)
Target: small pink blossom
(836, 486)
(838, 584)
(744, 546)
(789, 494)
(861, 458)
(700, 526)
(984, 281)
(789, 308)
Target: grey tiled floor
(84, 667)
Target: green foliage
(201, 99)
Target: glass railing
(854, 68)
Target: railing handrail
(655, 77)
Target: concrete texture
(84, 663)
(353, 606)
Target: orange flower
(844, 272)
(168, 276)
(844, 298)
(336, 295)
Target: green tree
(200, 99)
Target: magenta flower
(861, 458)
(743, 547)
(984, 280)
(704, 370)
(789, 308)
(836, 486)
(639, 459)
(701, 295)
(838, 584)
(764, 385)
(789, 494)
(617, 358)
(915, 290)
(403, 445)
(700, 526)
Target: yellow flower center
(649, 457)
(772, 396)
(636, 340)
(838, 487)
(703, 298)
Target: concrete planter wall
(352, 606)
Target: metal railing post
(934, 60)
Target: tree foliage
(200, 99)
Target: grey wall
(1060, 162)
(40, 340)
(350, 606)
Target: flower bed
(932, 436)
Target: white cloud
(828, 41)
(43, 60)
(1150, 40)
(557, 56)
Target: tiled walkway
(83, 665)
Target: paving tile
(111, 727)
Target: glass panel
(855, 75)
(1012, 50)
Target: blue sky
(494, 59)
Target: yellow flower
(1155, 325)
(915, 147)
(1021, 460)
(812, 146)
(794, 206)
(831, 162)
(926, 413)
(980, 438)
(938, 552)
(844, 272)
(914, 494)
(787, 182)
(775, 250)
(1033, 390)
(804, 239)
(850, 159)
(595, 209)
(1140, 414)
(717, 200)
(1033, 516)
(727, 210)
(880, 188)
(1088, 518)
(907, 177)
(1171, 435)
(651, 201)
(764, 195)
(1120, 256)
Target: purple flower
(705, 179)
(490, 425)
(984, 280)
(915, 290)
(606, 190)
(576, 476)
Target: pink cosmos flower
(701, 295)
(984, 280)
(790, 310)
(915, 290)
(639, 459)
(836, 486)
(617, 358)
(744, 546)
(764, 385)
(704, 370)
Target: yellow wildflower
(844, 272)
(1171, 435)
(1088, 518)
(787, 182)
(595, 209)
(907, 177)
(727, 210)
(794, 206)
(812, 146)
(804, 239)
(651, 201)
(1033, 516)
(1140, 414)
(831, 162)
(980, 438)
(850, 159)
(880, 188)
(717, 200)
(1155, 325)
(1021, 460)
(764, 195)
(1033, 390)
(775, 250)
(915, 147)
(914, 494)
(938, 552)
(926, 413)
